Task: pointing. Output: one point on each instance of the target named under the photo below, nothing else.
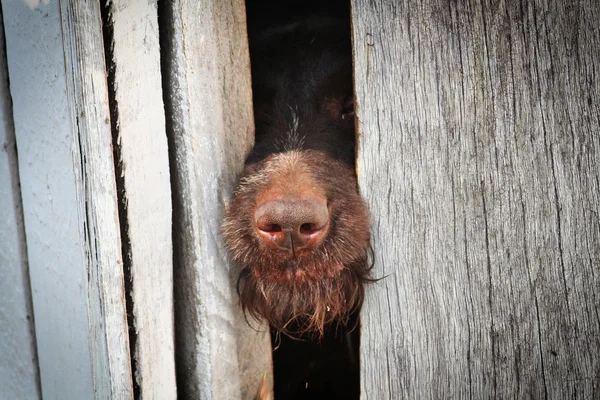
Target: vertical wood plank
(19, 378)
(143, 166)
(479, 155)
(210, 124)
(62, 126)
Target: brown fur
(304, 151)
(313, 288)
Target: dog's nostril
(308, 229)
(269, 228)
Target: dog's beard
(300, 306)
(302, 291)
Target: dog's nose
(292, 224)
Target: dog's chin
(297, 304)
(294, 272)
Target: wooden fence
(479, 154)
(124, 125)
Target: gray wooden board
(144, 168)
(210, 128)
(479, 155)
(58, 86)
(19, 377)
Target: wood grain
(479, 154)
(19, 377)
(138, 122)
(210, 129)
(58, 87)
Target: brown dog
(297, 225)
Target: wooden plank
(19, 378)
(143, 166)
(210, 129)
(479, 155)
(58, 86)
(32, 4)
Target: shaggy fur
(305, 131)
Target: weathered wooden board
(138, 121)
(58, 86)
(479, 154)
(34, 3)
(19, 377)
(210, 129)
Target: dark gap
(10, 146)
(264, 14)
(108, 36)
(328, 368)
(185, 362)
